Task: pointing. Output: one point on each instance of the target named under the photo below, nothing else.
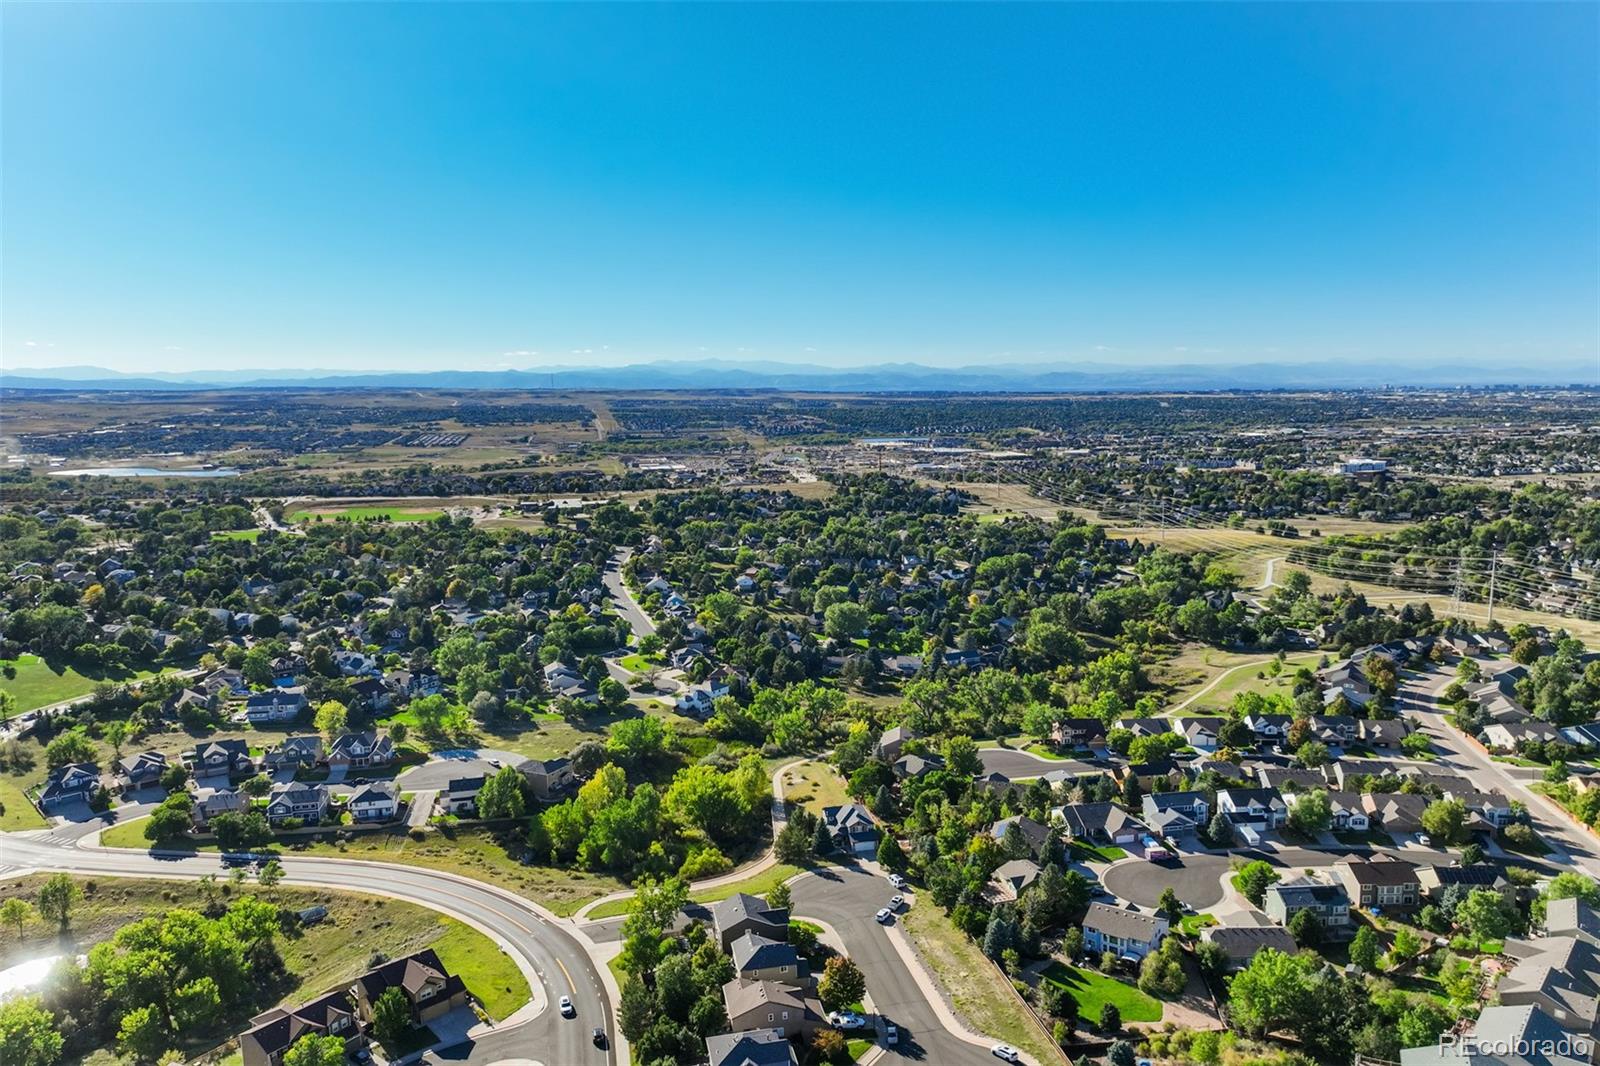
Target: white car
(564, 1004)
(884, 915)
(891, 1035)
(897, 881)
(896, 902)
(846, 1019)
(1005, 1051)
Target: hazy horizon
(352, 189)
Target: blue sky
(352, 186)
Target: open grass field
(814, 785)
(1194, 667)
(236, 534)
(758, 885)
(972, 985)
(469, 851)
(320, 956)
(16, 812)
(1092, 991)
(39, 684)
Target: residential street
(1418, 698)
(622, 598)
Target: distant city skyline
(366, 188)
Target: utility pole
(1494, 560)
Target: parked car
(1005, 1051)
(884, 915)
(891, 1035)
(846, 1019)
(897, 881)
(566, 1007)
(896, 902)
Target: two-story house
(140, 771)
(756, 958)
(227, 758)
(460, 796)
(293, 754)
(374, 802)
(66, 785)
(548, 778)
(743, 913)
(276, 705)
(309, 803)
(363, 749)
(1175, 813)
(1379, 883)
(1328, 902)
(1128, 934)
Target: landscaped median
(471, 851)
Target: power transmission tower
(1494, 560)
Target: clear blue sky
(355, 186)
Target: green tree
(70, 746)
(501, 795)
(1110, 1018)
(1306, 928)
(331, 718)
(1312, 812)
(1445, 821)
(28, 1033)
(143, 1033)
(197, 1006)
(842, 983)
(844, 621)
(16, 912)
(270, 874)
(1364, 949)
(1484, 914)
(171, 819)
(1254, 880)
(1407, 946)
(1170, 905)
(391, 1018)
(56, 897)
(313, 1050)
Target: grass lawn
(638, 664)
(471, 852)
(39, 684)
(392, 514)
(1094, 990)
(17, 812)
(759, 885)
(235, 534)
(815, 785)
(318, 957)
(977, 991)
(1097, 852)
(857, 1047)
(1191, 924)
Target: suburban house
(309, 803)
(430, 991)
(1259, 808)
(853, 828)
(1506, 736)
(1435, 879)
(1011, 878)
(1398, 814)
(1240, 942)
(914, 766)
(1348, 813)
(361, 749)
(73, 783)
(565, 682)
(1079, 733)
(1379, 883)
(1173, 813)
(141, 770)
(1492, 807)
(757, 958)
(1129, 934)
(227, 757)
(698, 701)
(276, 705)
(752, 1047)
(460, 796)
(892, 741)
(1328, 902)
(1575, 918)
(548, 777)
(1201, 733)
(771, 1004)
(742, 913)
(293, 753)
(375, 802)
(1383, 732)
(210, 802)
(1035, 836)
(1144, 727)
(1269, 728)
(1099, 823)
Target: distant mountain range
(887, 377)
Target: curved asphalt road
(562, 967)
(1019, 765)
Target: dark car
(599, 1037)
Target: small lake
(144, 471)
